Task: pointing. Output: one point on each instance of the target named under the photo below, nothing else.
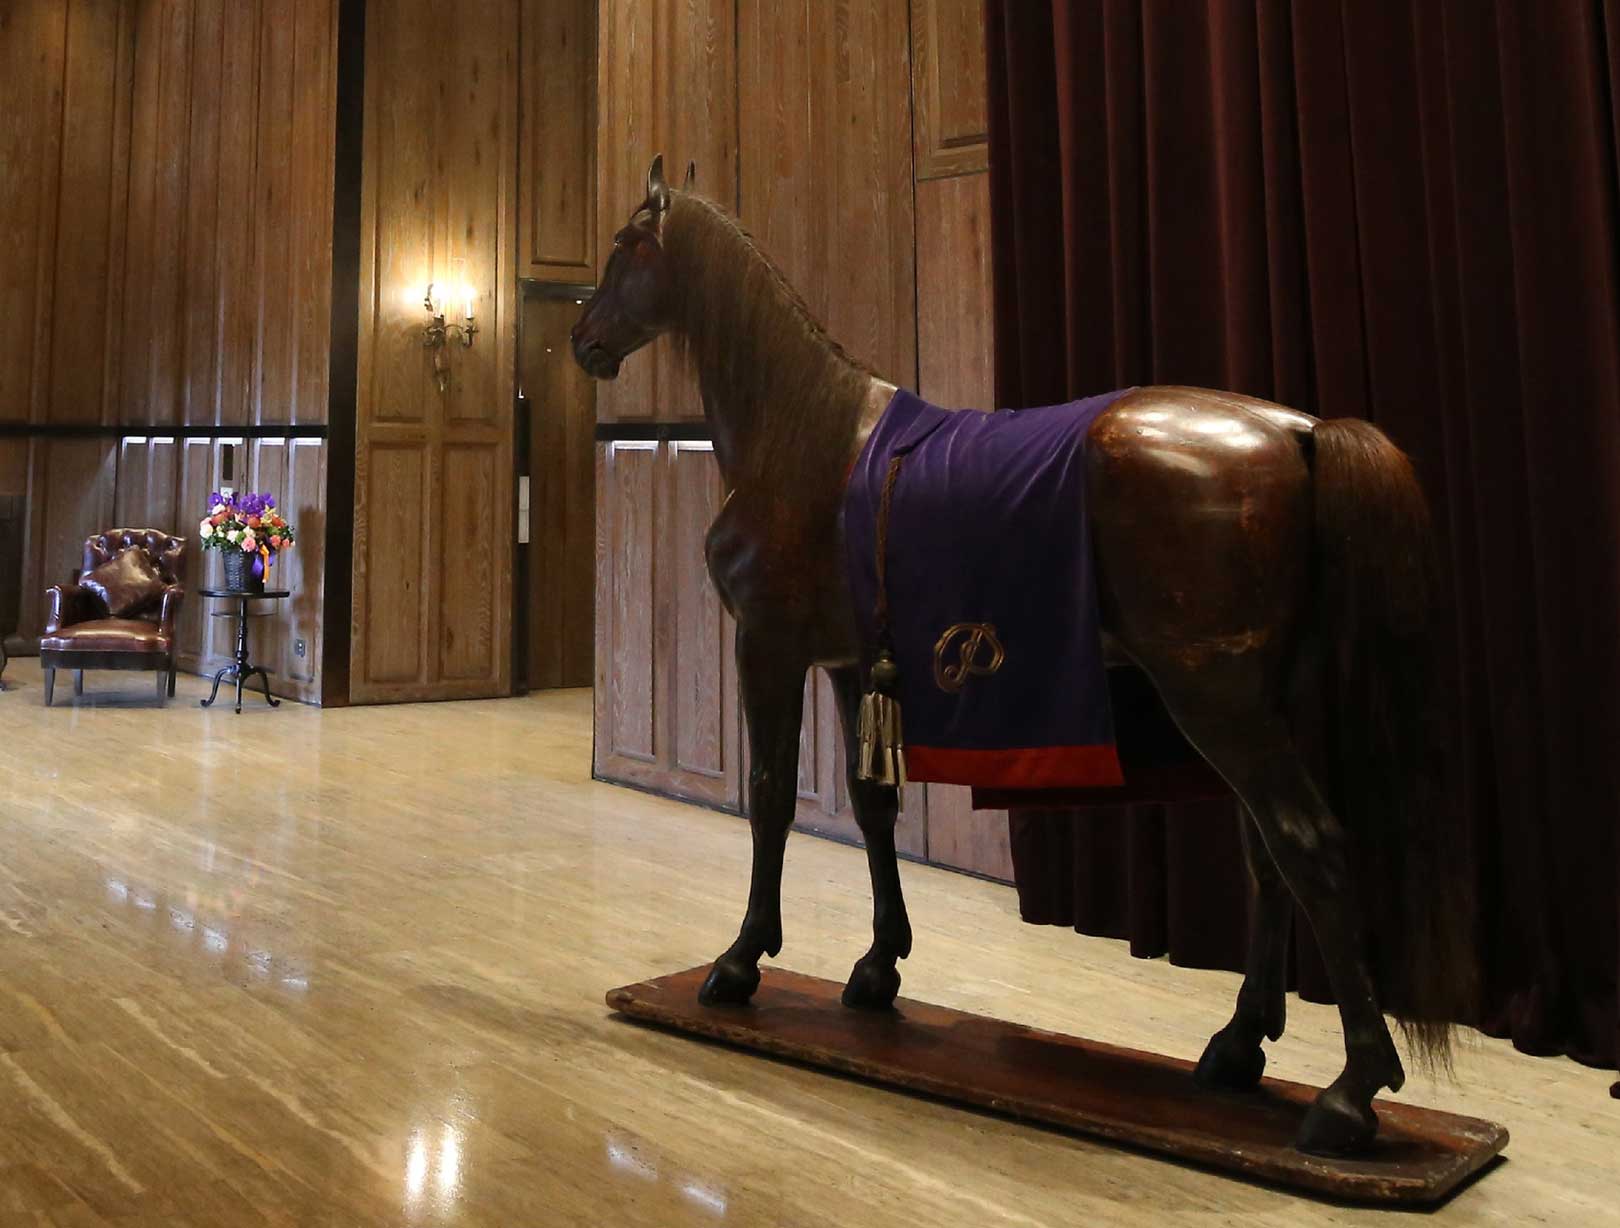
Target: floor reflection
(439, 1160)
(625, 1156)
(188, 932)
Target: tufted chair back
(168, 554)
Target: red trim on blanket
(1022, 767)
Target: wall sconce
(437, 333)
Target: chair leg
(78, 682)
(50, 686)
(171, 682)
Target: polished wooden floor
(346, 968)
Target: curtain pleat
(1401, 210)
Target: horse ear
(691, 174)
(657, 188)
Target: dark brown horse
(1252, 560)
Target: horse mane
(783, 391)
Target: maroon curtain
(1401, 210)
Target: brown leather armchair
(80, 630)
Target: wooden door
(434, 508)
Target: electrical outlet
(298, 648)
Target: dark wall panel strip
(338, 592)
(609, 432)
(534, 288)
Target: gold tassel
(882, 741)
(866, 768)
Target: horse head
(632, 303)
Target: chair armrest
(172, 597)
(65, 604)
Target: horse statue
(1253, 561)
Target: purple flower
(251, 503)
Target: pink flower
(249, 543)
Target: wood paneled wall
(954, 312)
(951, 118)
(167, 201)
(434, 513)
(666, 693)
(826, 181)
(557, 217)
(667, 72)
(64, 166)
(165, 230)
(850, 139)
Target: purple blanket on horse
(992, 599)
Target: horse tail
(1376, 585)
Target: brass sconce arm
(436, 334)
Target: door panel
(561, 550)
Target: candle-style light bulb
(467, 293)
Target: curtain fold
(1400, 210)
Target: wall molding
(99, 430)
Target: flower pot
(239, 577)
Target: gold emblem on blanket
(976, 651)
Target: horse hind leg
(1233, 1060)
(874, 982)
(1311, 850)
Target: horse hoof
(872, 985)
(1230, 1064)
(729, 983)
(1337, 1126)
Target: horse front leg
(1233, 1060)
(773, 707)
(875, 981)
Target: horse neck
(800, 422)
(782, 400)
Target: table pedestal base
(234, 672)
(241, 669)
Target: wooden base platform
(1124, 1095)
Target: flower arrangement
(249, 525)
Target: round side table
(242, 669)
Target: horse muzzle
(595, 359)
